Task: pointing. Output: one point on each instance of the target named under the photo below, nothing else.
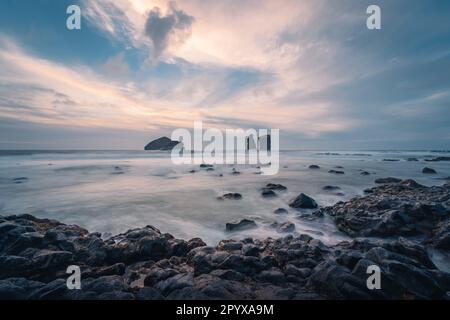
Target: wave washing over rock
(401, 227)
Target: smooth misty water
(111, 192)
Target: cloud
(308, 67)
(167, 30)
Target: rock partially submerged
(268, 193)
(280, 211)
(161, 144)
(331, 188)
(397, 209)
(388, 180)
(243, 224)
(275, 186)
(314, 166)
(303, 201)
(427, 170)
(231, 196)
(20, 180)
(437, 159)
(336, 171)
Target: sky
(138, 69)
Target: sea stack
(161, 144)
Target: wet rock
(280, 211)
(411, 184)
(229, 245)
(55, 290)
(273, 275)
(412, 159)
(387, 180)
(115, 269)
(365, 173)
(314, 166)
(148, 293)
(176, 282)
(331, 188)
(250, 250)
(427, 170)
(18, 288)
(303, 201)
(235, 172)
(336, 172)
(187, 293)
(274, 186)
(205, 166)
(232, 196)
(336, 282)
(437, 159)
(297, 272)
(243, 224)
(50, 259)
(116, 295)
(228, 275)
(267, 193)
(20, 180)
(286, 227)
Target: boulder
(387, 180)
(331, 188)
(303, 201)
(336, 171)
(267, 193)
(286, 227)
(280, 211)
(243, 224)
(275, 186)
(427, 170)
(232, 196)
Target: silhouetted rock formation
(163, 143)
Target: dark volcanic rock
(365, 173)
(286, 227)
(336, 171)
(314, 166)
(412, 159)
(429, 170)
(267, 193)
(406, 208)
(303, 201)
(280, 211)
(163, 143)
(387, 180)
(232, 196)
(274, 186)
(331, 188)
(244, 224)
(20, 180)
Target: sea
(113, 191)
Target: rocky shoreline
(397, 226)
